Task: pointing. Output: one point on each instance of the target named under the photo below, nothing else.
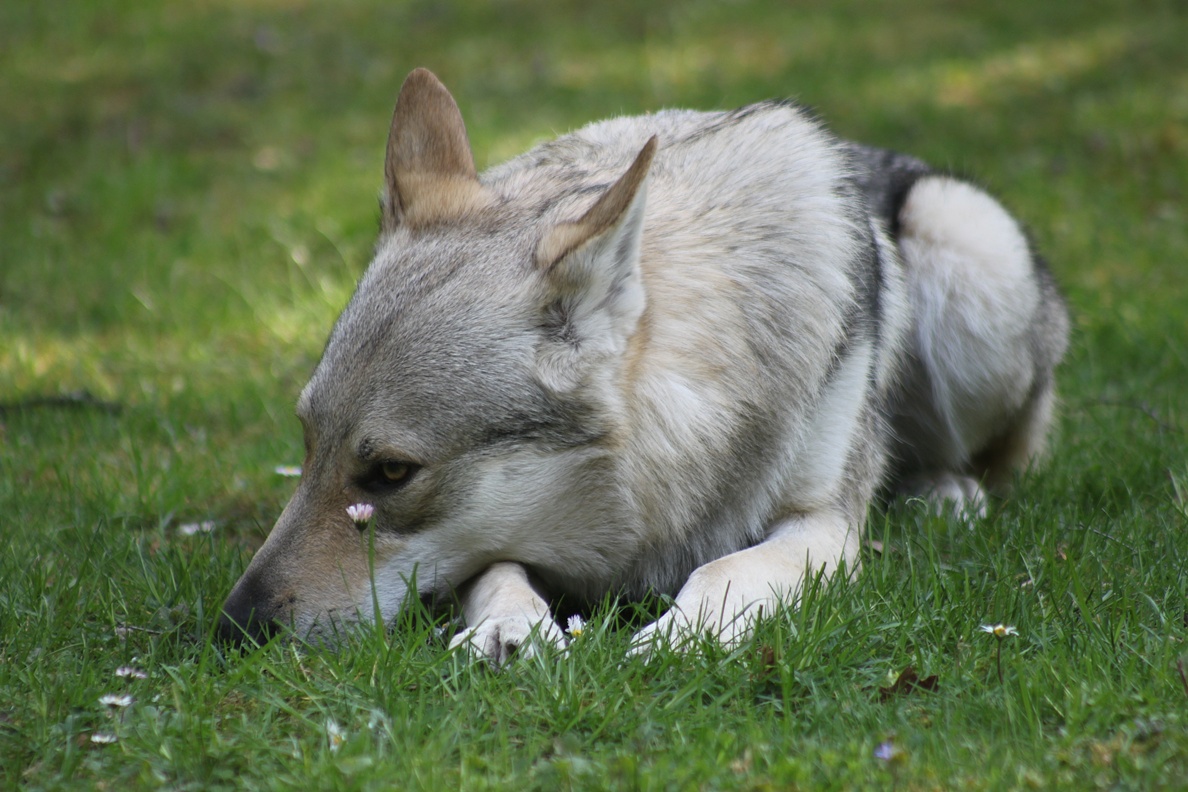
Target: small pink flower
(115, 701)
(887, 751)
(128, 672)
(361, 513)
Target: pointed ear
(428, 169)
(592, 274)
(606, 212)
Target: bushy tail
(989, 326)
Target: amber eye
(388, 476)
(395, 472)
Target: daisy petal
(360, 513)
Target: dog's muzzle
(244, 621)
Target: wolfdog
(675, 353)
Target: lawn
(187, 197)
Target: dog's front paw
(672, 629)
(498, 640)
(676, 630)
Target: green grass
(187, 195)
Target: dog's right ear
(428, 169)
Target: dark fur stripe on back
(885, 177)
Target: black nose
(244, 632)
(243, 621)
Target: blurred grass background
(188, 194)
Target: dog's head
(465, 392)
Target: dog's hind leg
(504, 615)
(977, 396)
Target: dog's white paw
(950, 492)
(676, 631)
(672, 629)
(728, 623)
(498, 640)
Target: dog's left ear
(591, 267)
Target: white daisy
(193, 529)
(361, 513)
(335, 734)
(999, 631)
(128, 672)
